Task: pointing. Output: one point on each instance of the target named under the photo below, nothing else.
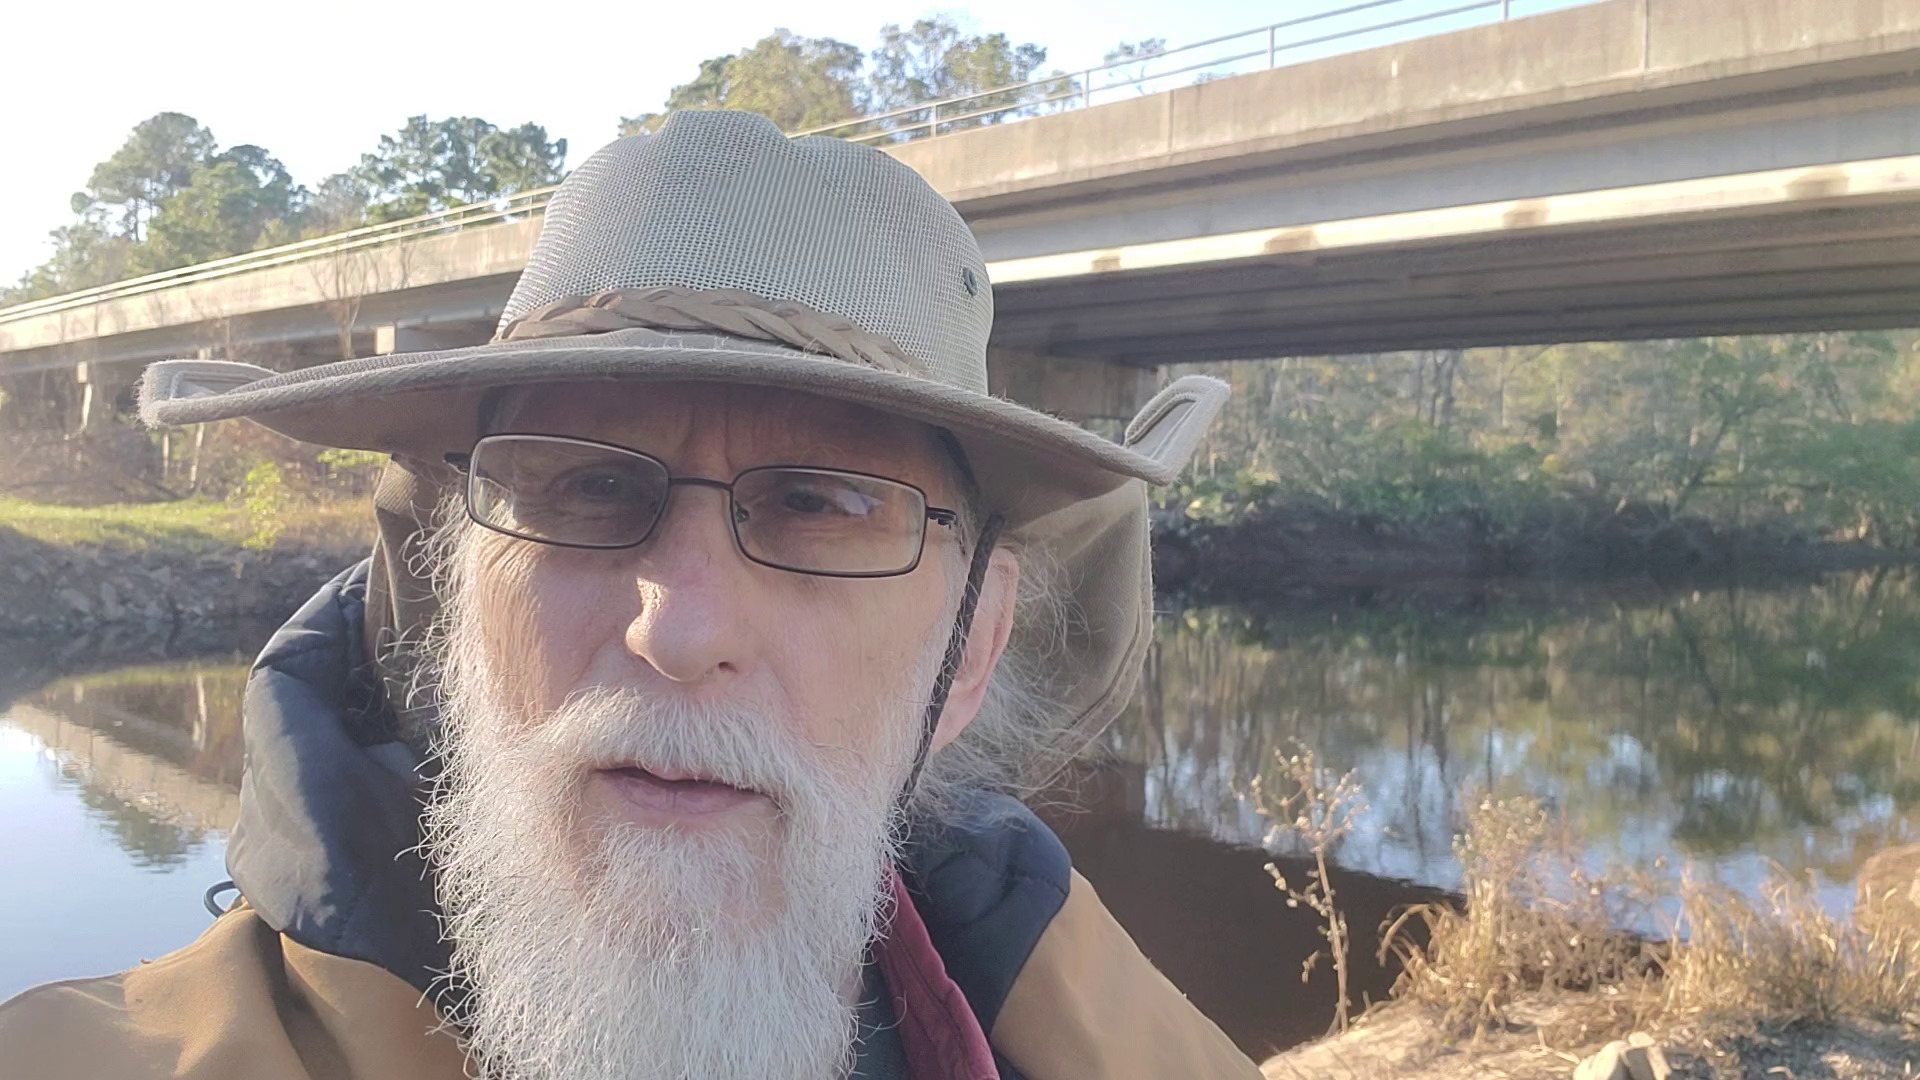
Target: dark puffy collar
(327, 846)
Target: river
(1735, 729)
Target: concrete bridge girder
(1078, 389)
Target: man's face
(686, 616)
(671, 771)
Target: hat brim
(426, 404)
(1058, 485)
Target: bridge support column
(401, 339)
(83, 374)
(101, 388)
(1079, 390)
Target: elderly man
(675, 743)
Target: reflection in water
(116, 790)
(153, 843)
(153, 751)
(1736, 727)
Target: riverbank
(1304, 547)
(1531, 976)
(67, 569)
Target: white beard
(594, 950)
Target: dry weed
(1534, 919)
(1308, 805)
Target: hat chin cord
(956, 652)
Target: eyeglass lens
(581, 494)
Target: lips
(677, 794)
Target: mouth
(666, 796)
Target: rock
(109, 600)
(1609, 1063)
(76, 600)
(1644, 1058)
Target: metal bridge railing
(1277, 43)
(1061, 92)
(333, 245)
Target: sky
(318, 83)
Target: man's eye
(803, 501)
(828, 501)
(602, 486)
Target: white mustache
(740, 746)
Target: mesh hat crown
(718, 250)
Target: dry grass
(1535, 922)
(1786, 960)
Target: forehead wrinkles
(741, 425)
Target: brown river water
(1737, 730)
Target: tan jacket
(246, 1003)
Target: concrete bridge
(1620, 169)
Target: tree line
(1817, 433)
(172, 196)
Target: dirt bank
(1305, 546)
(1402, 1042)
(51, 588)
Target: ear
(986, 641)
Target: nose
(695, 592)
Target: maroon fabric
(942, 1037)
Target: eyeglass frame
(463, 463)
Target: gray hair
(1016, 741)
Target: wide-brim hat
(720, 251)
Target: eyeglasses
(584, 494)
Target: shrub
(265, 498)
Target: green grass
(195, 524)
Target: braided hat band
(735, 312)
